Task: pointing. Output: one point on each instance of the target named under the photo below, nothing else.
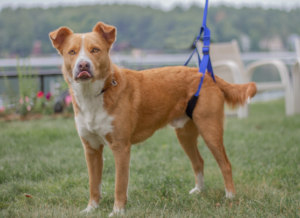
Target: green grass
(44, 158)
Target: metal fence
(50, 66)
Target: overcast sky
(165, 4)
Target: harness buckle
(205, 50)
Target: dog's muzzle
(83, 71)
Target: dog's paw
(91, 207)
(229, 194)
(248, 100)
(195, 190)
(199, 186)
(117, 212)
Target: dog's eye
(72, 52)
(95, 50)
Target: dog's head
(86, 56)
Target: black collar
(113, 83)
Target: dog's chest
(93, 122)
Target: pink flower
(68, 100)
(21, 101)
(48, 96)
(40, 94)
(28, 108)
(26, 99)
(2, 109)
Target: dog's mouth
(84, 75)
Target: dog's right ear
(58, 37)
(108, 32)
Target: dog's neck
(87, 89)
(90, 92)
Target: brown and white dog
(120, 107)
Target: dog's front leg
(94, 160)
(121, 154)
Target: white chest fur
(93, 122)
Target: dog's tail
(236, 94)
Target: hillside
(25, 30)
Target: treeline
(23, 29)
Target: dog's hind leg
(211, 129)
(187, 137)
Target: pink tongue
(83, 75)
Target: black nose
(84, 66)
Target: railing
(136, 62)
(144, 59)
(41, 75)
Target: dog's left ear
(58, 37)
(108, 32)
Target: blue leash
(203, 64)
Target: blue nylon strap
(190, 57)
(203, 65)
(195, 50)
(205, 14)
(210, 70)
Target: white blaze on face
(81, 57)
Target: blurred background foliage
(143, 27)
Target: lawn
(44, 160)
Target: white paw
(248, 100)
(91, 207)
(229, 195)
(199, 184)
(195, 190)
(117, 212)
